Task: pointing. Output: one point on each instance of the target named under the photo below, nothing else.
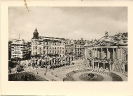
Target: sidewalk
(48, 76)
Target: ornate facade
(47, 46)
(109, 52)
(79, 49)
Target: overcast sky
(66, 22)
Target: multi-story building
(29, 50)
(19, 49)
(75, 49)
(79, 48)
(70, 50)
(9, 49)
(47, 46)
(109, 52)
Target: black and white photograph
(68, 43)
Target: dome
(106, 39)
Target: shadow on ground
(25, 76)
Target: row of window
(16, 55)
(49, 43)
(46, 52)
(18, 45)
(19, 52)
(35, 47)
(35, 53)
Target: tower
(34, 42)
(35, 34)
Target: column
(124, 55)
(107, 54)
(124, 67)
(98, 65)
(101, 54)
(92, 63)
(110, 67)
(113, 53)
(103, 65)
(93, 57)
(121, 54)
(117, 53)
(97, 53)
(93, 52)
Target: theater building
(109, 52)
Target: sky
(66, 22)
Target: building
(9, 49)
(47, 46)
(19, 49)
(79, 48)
(50, 48)
(29, 50)
(69, 50)
(75, 49)
(109, 52)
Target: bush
(25, 76)
(12, 64)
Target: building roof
(18, 41)
(117, 39)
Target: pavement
(55, 75)
(59, 73)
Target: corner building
(47, 46)
(19, 49)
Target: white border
(64, 88)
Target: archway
(126, 67)
(95, 64)
(100, 65)
(107, 66)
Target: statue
(106, 33)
